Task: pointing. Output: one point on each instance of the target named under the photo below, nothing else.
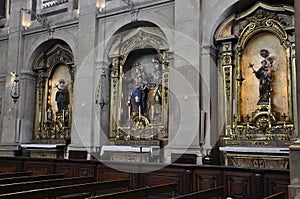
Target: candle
(234, 107)
(119, 114)
(283, 105)
(152, 111)
(139, 111)
(270, 104)
(63, 115)
(247, 106)
(129, 112)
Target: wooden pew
(24, 186)
(142, 192)
(14, 174)
(216, 193)
(73, 190)
(280, 195)
(30, 178)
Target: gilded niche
(54, 90)
(273, 83)
(257, 76)
(139, 87)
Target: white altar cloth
(137, 149)
(240, 149)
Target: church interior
(149, 99)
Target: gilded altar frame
(248, 122)
(129, 50)
(52, 67)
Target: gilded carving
(257, 161)
(227, 80)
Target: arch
(41, 44)
(57, 52)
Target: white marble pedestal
(53, 151)
(130, 153)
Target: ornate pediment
(258, 16)
(55, 55)
(139, 38)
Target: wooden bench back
(23, 186)
(53, 192)
(142, 192)
(30, 178)
(14, 174)
(280, 195)
(216, 193)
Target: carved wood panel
(39, 167)
(275, 183)
(81, 169)
(7, 165)
(65, 168)
(170, 175)
(239, 184)
(105, 173)
(206, 179)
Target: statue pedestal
(53, 151)
(130, 153)
(257, 157)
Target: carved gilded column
(40, 99)
(114, 95)
(226, 64)
(165, 97)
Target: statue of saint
(62, 96)
(264, 74)
(139, 95)
(155, 99)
